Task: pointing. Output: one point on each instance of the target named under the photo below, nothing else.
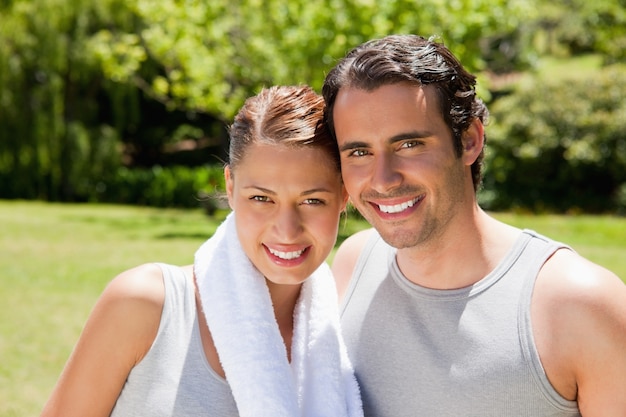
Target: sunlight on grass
(55, 261)
(579, 67)
(602, 239)
(554, 69)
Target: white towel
(235, 299)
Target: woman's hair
(286, 115)
(419, 61)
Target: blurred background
(128, 101)
(124, 105)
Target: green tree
(558, 144)
(212, 55)
(76, 75)
(571, 27)
(52, 143)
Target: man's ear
(473, 141)
(230, 184)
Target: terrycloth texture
(319, 382)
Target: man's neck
(461, 255)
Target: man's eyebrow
(348, 146)
(409, 135)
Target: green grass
(572, 68)
(601, 239)
(56, 259)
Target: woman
(251, 328)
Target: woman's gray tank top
(448, 353)
(175, 378)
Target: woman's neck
(284, 298)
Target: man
(447, 311)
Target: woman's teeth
(286, 255)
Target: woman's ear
(230, 184)
(473, 141)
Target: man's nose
(385, 174)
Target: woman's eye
(260, 198)
(313, 201)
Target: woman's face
(287, 202)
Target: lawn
(56, 259)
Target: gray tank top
(175, 378)
(465, 352)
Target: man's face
(398, 161)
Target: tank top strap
(538, 251)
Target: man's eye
(358, 152)
(411, 144)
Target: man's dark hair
(420, 61)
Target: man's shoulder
(579, 320)
(570, 276)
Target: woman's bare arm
(117, 335)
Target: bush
(559, 146)
(176, 186)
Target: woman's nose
(288, 224)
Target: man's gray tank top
(465, 352)
(175, 378)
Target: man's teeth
(286, 255)
(398, 207)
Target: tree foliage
(559, 145)
(570, 27)
(88, 87)
(50, 123)
(210, 56)
(78, 77)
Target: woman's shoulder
(346, 257)
(131, 305)
(146, 289)
(142, 284)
